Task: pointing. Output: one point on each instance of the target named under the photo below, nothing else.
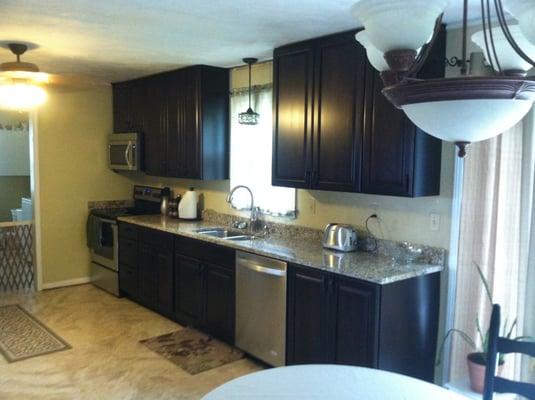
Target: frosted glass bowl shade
(467, 120)
(507, 57)
(21, 96)
(524, 12)
(375, 57)
(398, 24)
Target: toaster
(340, 237)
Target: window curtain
(250, 161)
(497, 225)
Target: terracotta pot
(476, 370)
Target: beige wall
(400, 218)
(12, 189)
(72, 131)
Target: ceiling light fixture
(19, 81)
(464, 109)
(249, 117)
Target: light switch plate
(434, 221)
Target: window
(250, 149)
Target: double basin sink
(223, 233)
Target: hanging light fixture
(464, 109)
(19, 82)
(249, 117)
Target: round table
(329, 382)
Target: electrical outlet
(434, 221)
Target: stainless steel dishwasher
(261, 307)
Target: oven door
(106, 253)
(123, 155)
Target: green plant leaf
(463, 335)
(485, 283)
(510, 332)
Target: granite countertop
(302, 250)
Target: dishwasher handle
(259, 268)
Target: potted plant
(477, 360)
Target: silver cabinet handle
(258, 268)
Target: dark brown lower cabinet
(219, 301)
(189, 285)
(204, 287)
(334, 319)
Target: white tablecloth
(336, 382)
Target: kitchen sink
(224, 233)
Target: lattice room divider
(17, 269)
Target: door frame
(36, 198)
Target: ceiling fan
(21, 83)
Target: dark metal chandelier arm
(487, 48)
(489, 23)
(507, 33)
(426, 49)
(465, 37)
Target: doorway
(17, 231)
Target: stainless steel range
(102, 236)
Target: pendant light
(249, 117)
(464, 109)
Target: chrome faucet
(255, 211)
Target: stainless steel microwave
(124, 151)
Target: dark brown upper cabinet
(334, 130)
(183, 118)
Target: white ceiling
(120, 39)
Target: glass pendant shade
(398, 24)
(508, 58)
(467, 120)
(524, 12)
(375, 57)
(248, 117)
(21, 96)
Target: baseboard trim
(69, 282)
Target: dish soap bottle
(187, 208)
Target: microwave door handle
(127, 155)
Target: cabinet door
(308, 330)
(189, 124)
(128, 267)
(219, 302)
(188, 288)
(148, 278)
(339, 112)
(122, 107)
(388, 144)
(156, 126)
(293, 71)
(355, 311)
(165, 271)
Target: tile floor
(106, 361)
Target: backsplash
(401, 251)
(92, 205)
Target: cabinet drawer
(128, 280)
(205, 252)
(128, 252)
(163, 241)
(128, 231)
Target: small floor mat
(192, 350)
(23, 336)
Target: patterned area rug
(23, 336)
(192, 350)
